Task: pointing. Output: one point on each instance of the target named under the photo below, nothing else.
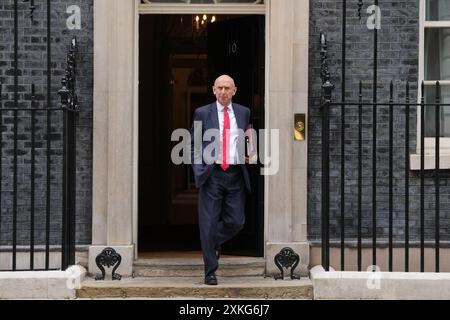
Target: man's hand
(251, 160)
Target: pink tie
(225, 139)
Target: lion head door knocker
(287, 258)
(108, 257)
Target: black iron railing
(396, 116)
(363, 107)
(37, 165)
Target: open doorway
(180, 56)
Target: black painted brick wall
(398, 44)
(33, 69)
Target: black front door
(236, 47)
(178, 64)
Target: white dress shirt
(234, 134)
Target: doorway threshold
(190, 264)
(177, 255)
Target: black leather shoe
(211, 280)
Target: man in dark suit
(222, 177)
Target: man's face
(224, 90)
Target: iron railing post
(436, 175)
(422, 178)
(407, 112)
(391, 176)
(374, 141)
(49, 143)
(327, 89)
(343, 87)
(69, 105)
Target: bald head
(224, 89)
(224, 78)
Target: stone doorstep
(229, 267)
(193, 287)
(224, 260)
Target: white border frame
(158, 8)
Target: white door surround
(115, 155)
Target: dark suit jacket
(209, 118)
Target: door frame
(114, 170)
(220, 8)
(172, 9)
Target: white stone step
(193, 267)
(193, 287)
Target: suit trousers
(221, 209)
